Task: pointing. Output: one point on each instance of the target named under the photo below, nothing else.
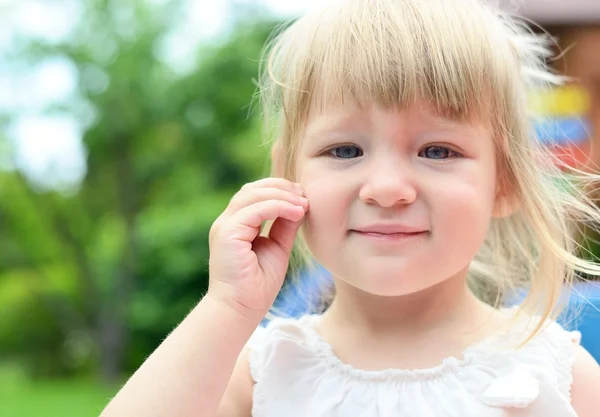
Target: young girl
(404, 154)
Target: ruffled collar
(496, 344)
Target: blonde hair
(469, 60)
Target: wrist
(234, 310)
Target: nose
(388, 183)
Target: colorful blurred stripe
(560, 122)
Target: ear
(506, 202)
(277, 160)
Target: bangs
(389, 53)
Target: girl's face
(399, 200)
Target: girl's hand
(247, 270)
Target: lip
(390, 232)
(389, 229)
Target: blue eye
(437, 152)
(346, 152)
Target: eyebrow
(445, 125)
(320, 137)
(450, 123)
(328, 124)
(330, 127)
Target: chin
(395, 291)
(387, 284)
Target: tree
(127, 252)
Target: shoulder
(550, 352)
(578, 372)
(281, 329)
(279, 342)
(269, 347)
(586, 379)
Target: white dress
(296, 374)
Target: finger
(252, 196)
(249, 219)
(273, 182)
(283, 233)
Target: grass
(20, 397)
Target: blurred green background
(100, 259)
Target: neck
(448, 306)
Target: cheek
(472, 189)
(465, 209)
(326, 200)
(323, 188)
(329, 201)
(476, 196)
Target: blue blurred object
(582, 313)
(562, 131)
(299, 297)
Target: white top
(296, 374)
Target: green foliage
(94, 279)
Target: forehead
(419, 115)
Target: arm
(237, 401)
(586, 382)
(189, 372)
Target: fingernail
(298, 187)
